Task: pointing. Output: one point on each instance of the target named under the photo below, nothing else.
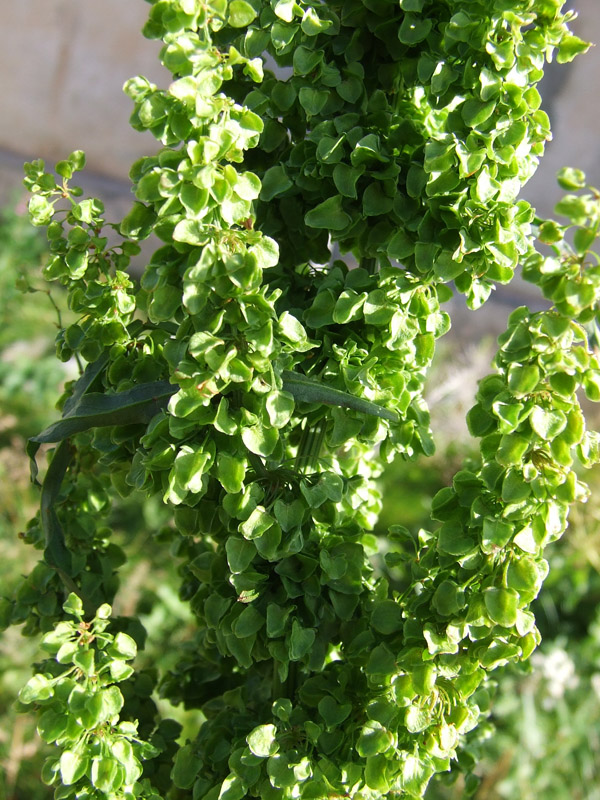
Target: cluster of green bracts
(79, 703)
(256, 382)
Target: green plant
(81, 702)
(29, 374)
(538, 740)
(251, 378)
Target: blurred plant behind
(30, 377)
(29, 372)
(546, 742)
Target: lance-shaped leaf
(56, 554)
(81, 387)
(86, 380)
(309, 390)
(97, 410)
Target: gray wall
(570, 95)
(62, 66)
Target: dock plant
(326, 176)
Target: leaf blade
(312, 391)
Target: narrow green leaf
(84, 383)
(309, 390)
(136, 405)
(91, 372)
(56, 554)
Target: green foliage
(79, 704)
(539, 740)
(27, 371)
(256, 384)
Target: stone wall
(62, 67)
(570, 95)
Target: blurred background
(62, 66)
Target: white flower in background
(595, 681)
(558, 673)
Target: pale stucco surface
(62, 67)
(571, 97)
